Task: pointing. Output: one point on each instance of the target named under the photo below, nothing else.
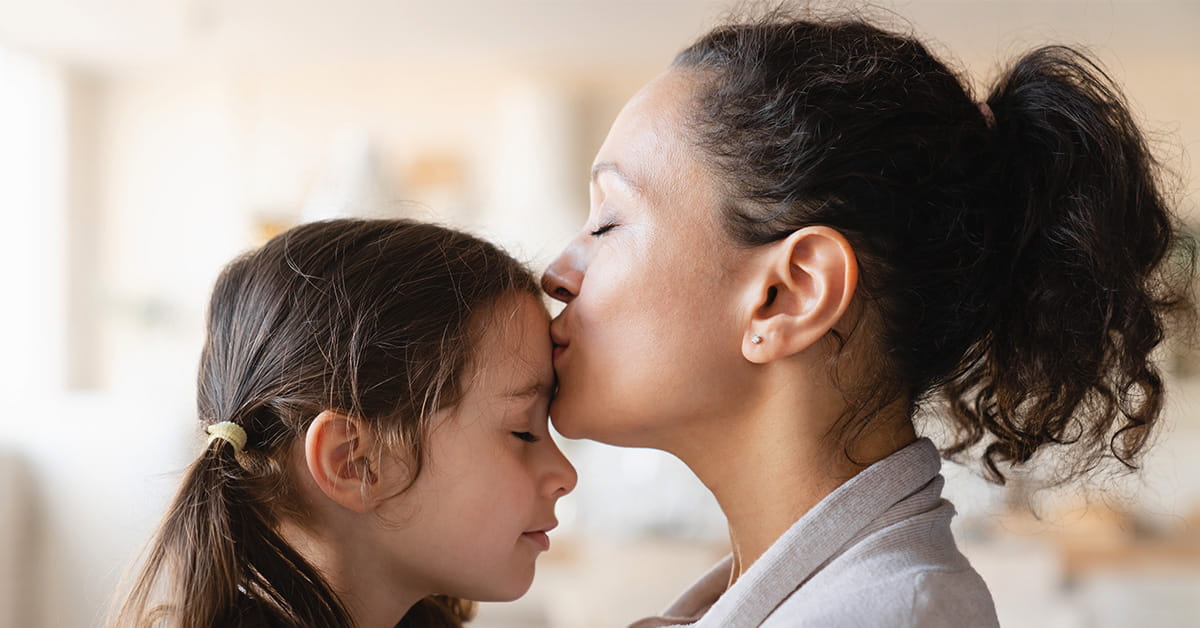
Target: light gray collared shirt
(875, 552)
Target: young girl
(803, 233)
(375, 394)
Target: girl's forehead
(513, 349)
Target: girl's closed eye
(528, 437)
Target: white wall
(32, 204)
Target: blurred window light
(32, 203)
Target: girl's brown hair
(1017, 257)
(372, 318)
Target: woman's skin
(655, 347)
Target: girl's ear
(337, 451)
(805, 285)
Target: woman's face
(650, 336)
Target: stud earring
(756, 339)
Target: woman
(804, 232)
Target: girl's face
(650, 336)
(476, 519)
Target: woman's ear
(337, 451)
(807, 282)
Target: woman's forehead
(648, 148)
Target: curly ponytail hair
(1015, 263)
(372, 318)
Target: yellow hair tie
(229, 432)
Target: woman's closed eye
(603, 230)
(528, 437)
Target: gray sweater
(875, 552)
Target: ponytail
(219, 562)
(1083, 290)
(1016, 260)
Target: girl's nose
(560, 477)
(562, 278)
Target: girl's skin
(654, 347)
(475, 520)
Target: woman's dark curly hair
(1017, 262)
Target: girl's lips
(558, 351)
(539, 538)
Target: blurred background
(144, 143)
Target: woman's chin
(568, 421)
(603, 427)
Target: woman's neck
(785, 462)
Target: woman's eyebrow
(611, 167)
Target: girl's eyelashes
(603, 230)
(528, 437)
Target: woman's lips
(558, 338)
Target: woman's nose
(562, 278)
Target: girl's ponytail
(1082, 291)
(221, 562)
